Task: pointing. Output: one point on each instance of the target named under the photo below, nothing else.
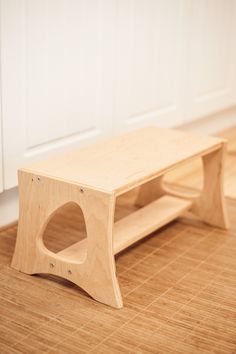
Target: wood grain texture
(189, 177)
(39, 200)
(178, 285)
(186, 306)
(150, 191)
(90, 263)
(118, 164)
(212, 208)
(135, 226)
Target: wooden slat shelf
(135, 226)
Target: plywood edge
(127, 187)
(123, 186)
(59, 179)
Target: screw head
(81, 190)
(38, 178)
(69, 272)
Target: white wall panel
(56, 65)
(1, 162)
(149, 63)
(75, 71)
(211, 57)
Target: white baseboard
(8, 207)
(207, 125)
(213, 123)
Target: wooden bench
(93, 177)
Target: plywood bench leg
(39, 200)
(149, 192)
(211, 205)
(32, 218)
(100, 272)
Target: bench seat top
(125, 161)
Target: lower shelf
(135, 226)
(146, 220)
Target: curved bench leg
(100, 273)
(211, 205)
(39, 199)
(33, 214)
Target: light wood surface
(212, 208)
(189, 177)
(146, 220)
(178, 287)
(89, 263)
(134, 227)
(137, 155)
(127, 160)
(150, 191)
(186, 305)
(39, 200)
